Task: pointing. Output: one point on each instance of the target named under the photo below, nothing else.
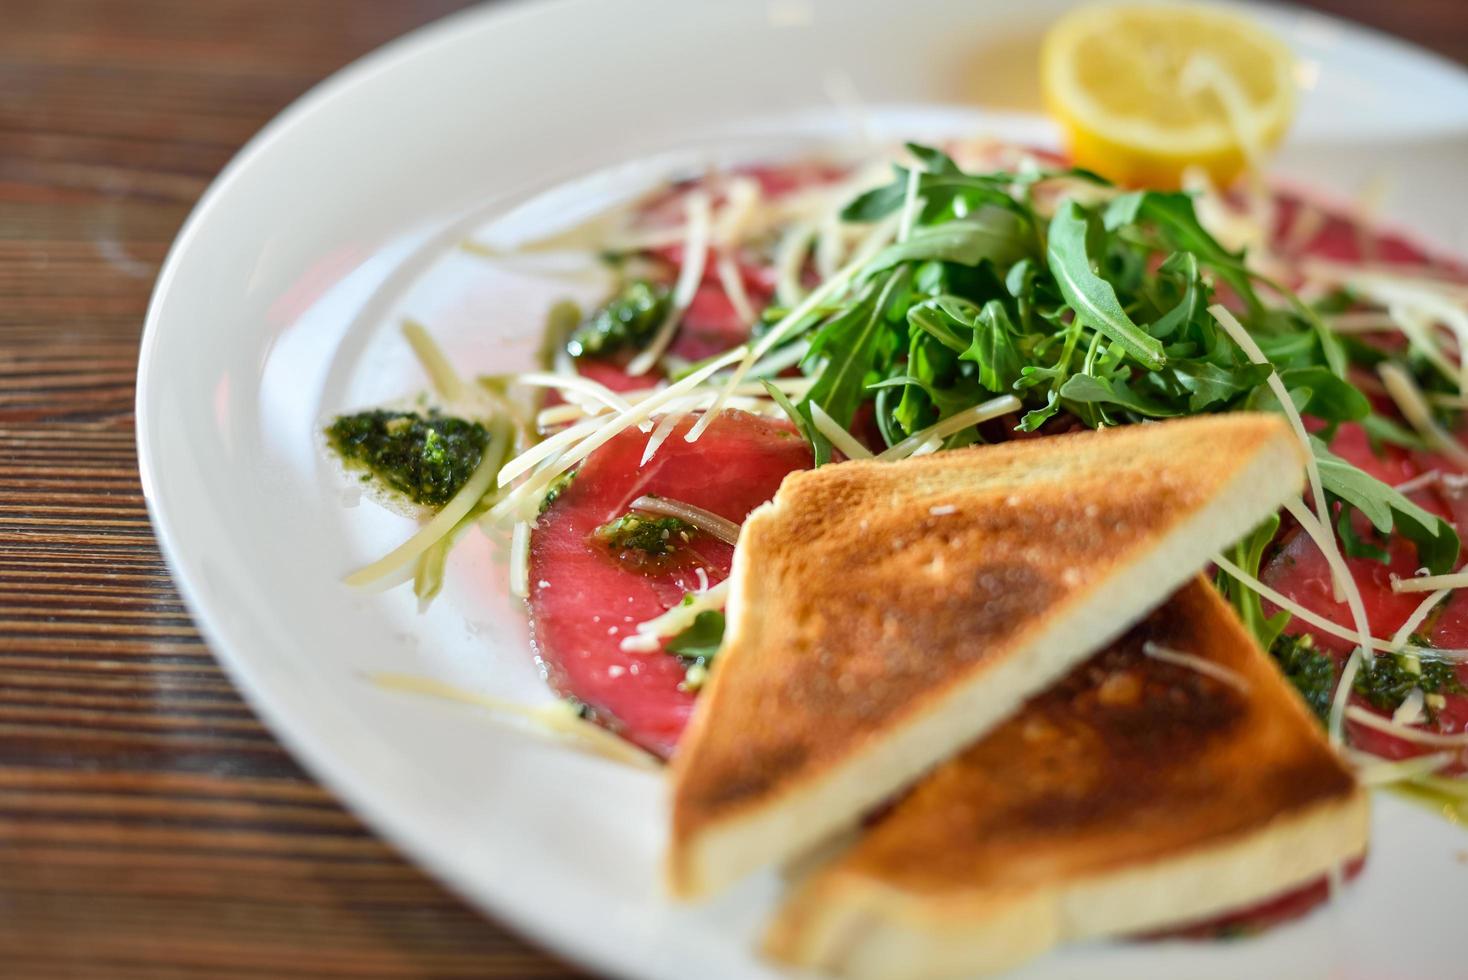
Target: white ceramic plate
(278, 305)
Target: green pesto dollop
(426, 458)
(1308, 669)
(651, 537)
(1388, 681)
(628, 320)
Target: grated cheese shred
(839, 437)
(695, 255)
(1196, 663)
(1240, 336)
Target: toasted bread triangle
(883, 616)
(1136, 794)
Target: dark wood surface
(149, 826)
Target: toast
(882, 616)
(1136, 794)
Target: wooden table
(149, 826)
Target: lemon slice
(1147, 90)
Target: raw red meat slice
(710, 325)
(1271, 912)
(1300, 571)
(583, 601)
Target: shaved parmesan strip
(1196, 663)
(1418, 617)
(1409, 712)
(1369, 719)
(660, 435)
(441, 373)
(1430, 299)
(574, 383)
(704, 520)
(547, 448)
(749, 396)
(1431, 583)
(649, 635)
(957, 422)
(1374, 771)
(1335, 723)
(1361, 322)
(790, 256)
(1368, 204)
(1408, 396)
(733, 284)
(778, 334)
(549, 418)
(786, 357)
(1418, 329)
(645, 240)
(695, 254)
(1419, 482)
(1367, 278)
(741, 203)
(927, 448)
(559, 720)
(840, 438)
(1325, 541)
(1235, 231)
(605, 432)
(1309, 222)
(1235, 330)
(830, 244)
(520, 560)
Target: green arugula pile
(1096, 314)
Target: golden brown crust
(868, 590)
(1127, 759)
(1130, 770)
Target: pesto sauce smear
(655, 537)
(425, 457)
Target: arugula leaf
(1114, 391)
(1194, 299)
(940, 191)
(1326, 396)
(1210, 386)
(1380, 429)
(1093, 298)
(1248, 554)
(878, 202)
(850, 343)
(994, 348)
(1387, 508)
(1032, 420)
(1173, 214)
(933, 160)
(701, 639)
(800, 417)
(939, 316)
(991, 234)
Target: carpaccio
(583, 603)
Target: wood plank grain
(149, 825)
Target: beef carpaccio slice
(584, 600)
